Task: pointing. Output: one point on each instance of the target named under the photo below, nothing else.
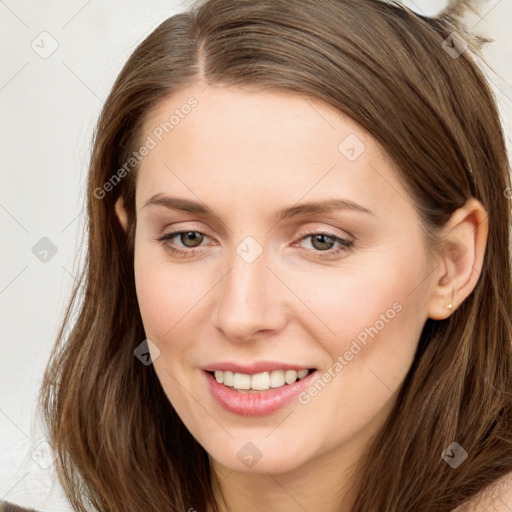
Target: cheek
(167, 293)
(345, 303)
(166, 300)
(157, 298)
(163, 295)
(375, 319)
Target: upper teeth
(259, 381)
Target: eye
(321, 242)
(189, 239)
(324, 242)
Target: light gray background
(49, 105)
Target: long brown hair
(120, 444)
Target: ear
(460, 259)
(121, 213)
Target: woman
(298, 283)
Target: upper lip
(253, 368)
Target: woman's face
(261, 281)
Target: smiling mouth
(260, 381)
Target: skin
(247, 155)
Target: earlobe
(461, 259)
(121, 213)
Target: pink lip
(261, 403)
(251, 369)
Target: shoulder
(11, 507)
(496, 497)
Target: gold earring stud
(450, 306)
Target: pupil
(196, 240)
(319, 237)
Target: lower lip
(261, 403)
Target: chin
(259, 457)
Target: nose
(249, 300)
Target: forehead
(296, 124)
(261, 142)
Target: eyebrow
(323, 206)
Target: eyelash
(345, 245)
